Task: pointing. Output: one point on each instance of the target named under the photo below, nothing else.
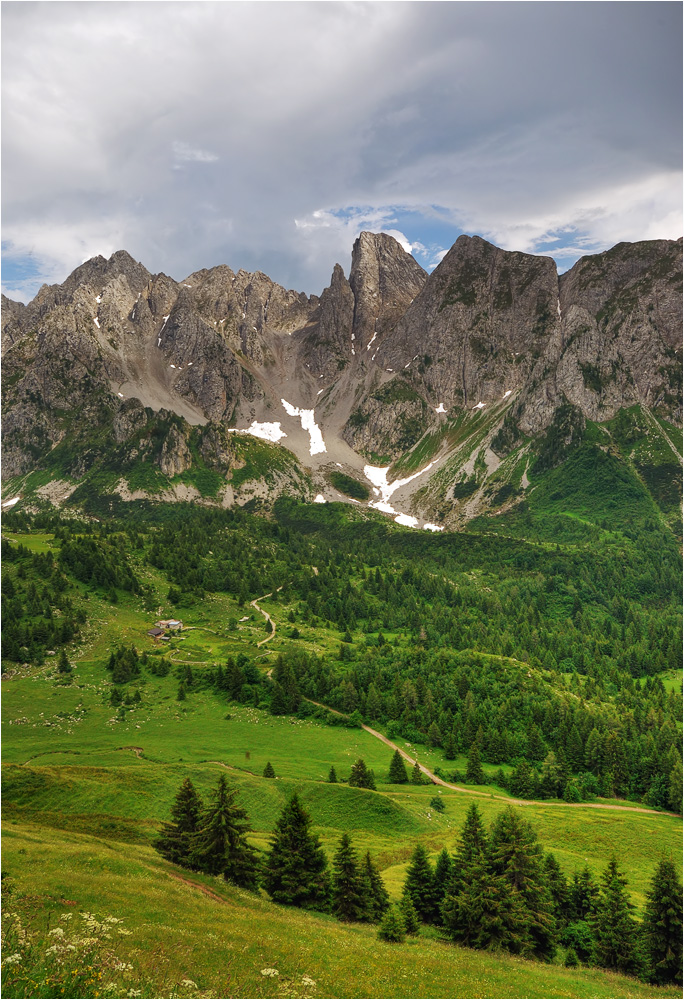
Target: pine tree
(392, 927)
(584, 895)
(434, 735)
(361, 776)
(558, 887)
(473, 843)
(409, 914)
(174, 840)
(489, 912)
(474, 772)
(296, 867)
(63, 665)
(663, 925)
(332, 776)
(348, 899)
(420, 885)
(219, 847)
(674, 792)
(416, 774)
(450, 747)
(268, 770)
(441, 880)
(614, 927)
(374, 888)
(516, 855)
(397, 770)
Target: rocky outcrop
(11, 322)
(385, 280)
(175, 456)
(326, 343)
(476, 330)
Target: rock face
(385, 280)
(378, 360)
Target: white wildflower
(270, 972)
(12, 959)
(66, 916)
(189, 984)
(308, 981)
(56, 932)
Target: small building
(170, 624)
(155, 633)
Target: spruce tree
(516, 855)
(450, 747)
(174, 840)
(63, 665)
(434, 735)
(296, 867)
(374, 888)
(663, 925)
(674, 789)
(397, 770)
(488, 912)
(614, 927)
(474, 772)
(409, 914)
(361, 777)
(584, 895)
(268, 770)
(349, 901)
(441, 880)
(392, 927)
(416, 774)
(420, 885)
(558, 887)
(332, 776)
(219, 847)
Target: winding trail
(266, 615)
(489, 795)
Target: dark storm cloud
(267, 135)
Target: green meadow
(86, 791)
(87, 784)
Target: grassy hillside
(221, 939)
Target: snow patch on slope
(266, 431)
(316, 442)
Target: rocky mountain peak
(385, 280)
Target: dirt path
(229, 767)
(490, 795)
(266, 615)
(200, 888)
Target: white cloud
(400, 238)
(299, 111)
(184, 153)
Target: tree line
(497, 891)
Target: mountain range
(432, 397)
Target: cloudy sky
(268, 135)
